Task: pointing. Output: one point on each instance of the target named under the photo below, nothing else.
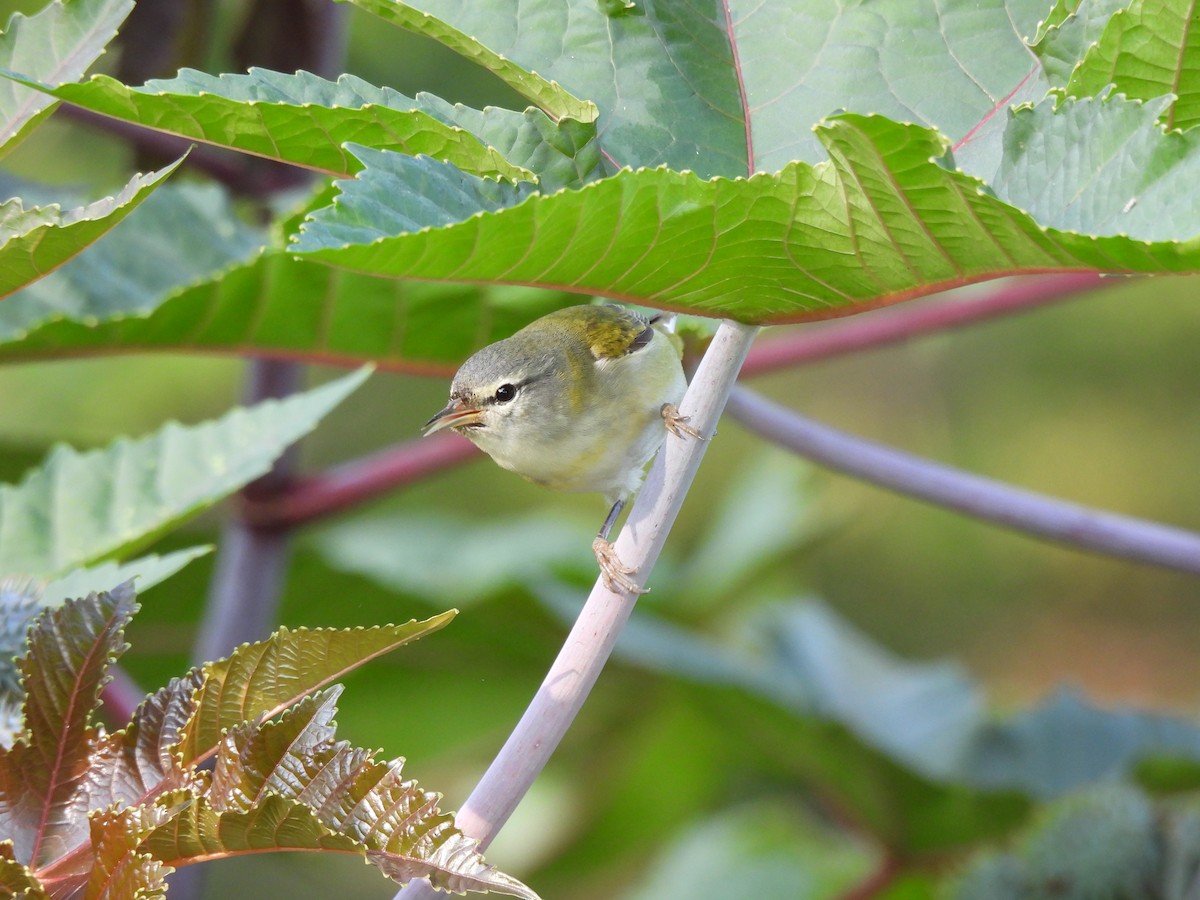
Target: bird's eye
(505, 392)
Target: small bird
(578, 400)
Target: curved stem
(984, 498)
(595, 632)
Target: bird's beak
(455, 415)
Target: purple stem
(251, 562)
(322, 495)
(984, 498)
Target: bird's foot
(678, 424)
(614, 572)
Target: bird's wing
(613, 332)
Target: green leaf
(763, 850)
(1102, 167)
(1070, 30)
(767, 514)
(453, 560)
(547, 94)
(128, 273)
(20, 602)
(1026, 750)
(1108, 842)
(148, 570)
(264, 678)
(305, 120)
(737, 86)
(79, 508)
(54, 46)
(37, 240)
(1148, 50)
(157, 283)
(16, 880)
(70, 650)
(804, 690)
(883, 220)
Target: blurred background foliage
(1092, 400)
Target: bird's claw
(615, 573)
(678, 424)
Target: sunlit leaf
(16, 880)
(1103, 167)
(266, 677)
(79, 508)
(882, 221)
(304, 119)
(1067, 34)
(119, 870)
(1147, 50)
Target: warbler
(578, 400)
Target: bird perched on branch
(578, 400)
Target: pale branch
(595, 631)
(984, 498)
(345, 486)
(909, 320)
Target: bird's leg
(612, 570)
(677, 424)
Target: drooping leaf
(266, 677)
(1147, 50)
(148, 570)
(157, 283)
(37, 240)
(54, 46)
(78, 508)
(70, 650)
(304, 119)
(547, 94)
(151, 255)
(883, 220)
